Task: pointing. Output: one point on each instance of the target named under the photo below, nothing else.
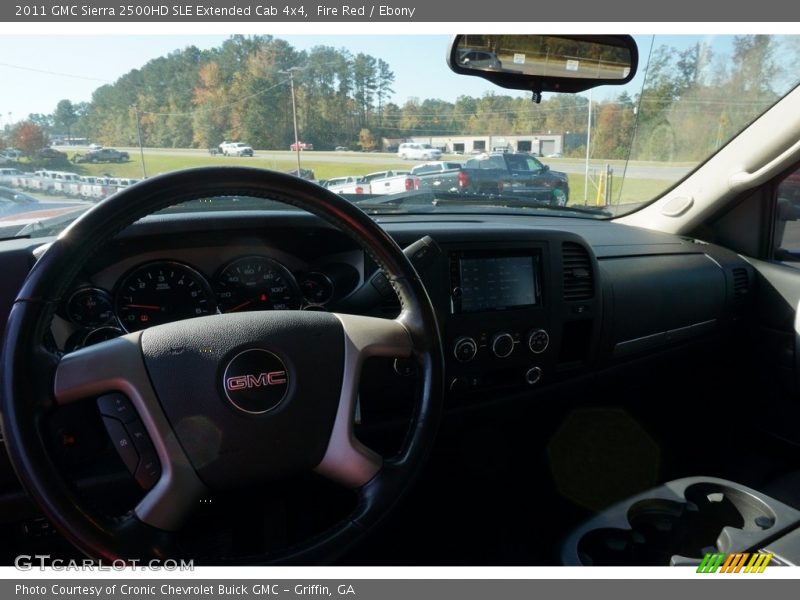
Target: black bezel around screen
(465, 299)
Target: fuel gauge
(90, 307)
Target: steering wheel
(223, 400)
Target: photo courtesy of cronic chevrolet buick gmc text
(586, 359)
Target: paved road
(666, 172)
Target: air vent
(741, 284)
(578, 281)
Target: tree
(29, 138)
(364, 70)
(365, 140)
(45, 122)
(65, 116)
(384, 87)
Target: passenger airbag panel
(663, 298)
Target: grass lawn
(633, 190)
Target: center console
(682, 522)
(518, 316)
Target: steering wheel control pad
(250, 396)
(130, 439)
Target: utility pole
(588, 145)
(139, 134)
(290, 72)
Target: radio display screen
(495, 282)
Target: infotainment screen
(495, 281)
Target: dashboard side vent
(741, 284)
(578, 280)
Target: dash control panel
(130, 438)
(498, 330)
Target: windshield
(380, 120)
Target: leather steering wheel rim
(29, 367)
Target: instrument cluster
(162, 291)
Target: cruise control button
(118, 406)
(149, 470)
(122, 442)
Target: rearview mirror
(546, 63)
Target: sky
(30, 65)
(37, 71)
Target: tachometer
(162, 292)
(256, 283)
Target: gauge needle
(144, 306)
(239, 306)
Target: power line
(21, 68)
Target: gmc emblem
(247, 382)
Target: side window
(787, 219)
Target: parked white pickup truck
(437, 166)
(349, 184)
(390, 182)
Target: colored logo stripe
(734, 563)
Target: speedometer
(256, 283)
(162, 292)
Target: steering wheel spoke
(347, 461)
(117, 366)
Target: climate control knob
(465, 349)
(502, 345)
(538, 340)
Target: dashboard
(525, 305)
(522, 301)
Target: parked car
(504, 173)
(7, 174)
(414, 151)
(51, 154)
(307, 174)
(101, 156)
(348, 184)
(12, 195)
(479, 59)
(436, 167)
